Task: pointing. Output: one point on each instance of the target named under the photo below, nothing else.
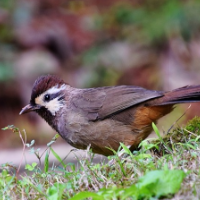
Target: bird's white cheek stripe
(54, 106)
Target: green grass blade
(58, 157)
(46, 162)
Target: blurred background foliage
(89, 43)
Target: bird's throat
(48, 117)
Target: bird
(103, 117)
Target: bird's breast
(80, 132)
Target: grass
(166, 168)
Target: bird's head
(47, 97)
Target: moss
(193, 126)
(179, 136)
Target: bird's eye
(47, 97)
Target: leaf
(159, 136)
(31, 167)
(46, 162)
(157, 132)
(161, 182)
(58, 157)
(125, 149)
(119, 193)
(13, 128)
(147, 145)
(83, 195)
(56, 191)
(31, 144)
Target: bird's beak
(29, 108)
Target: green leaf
(146, 145)
(58, 157)
(157, 132)
(13, 128)
(46, 162)
(160, 137)
(83, 195)
(56, 191)
(161, 182)
(125, 149)
(31, 167)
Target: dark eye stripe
(61, 98)
(49, 97)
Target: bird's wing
(99, 103)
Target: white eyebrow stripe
(56, 89)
